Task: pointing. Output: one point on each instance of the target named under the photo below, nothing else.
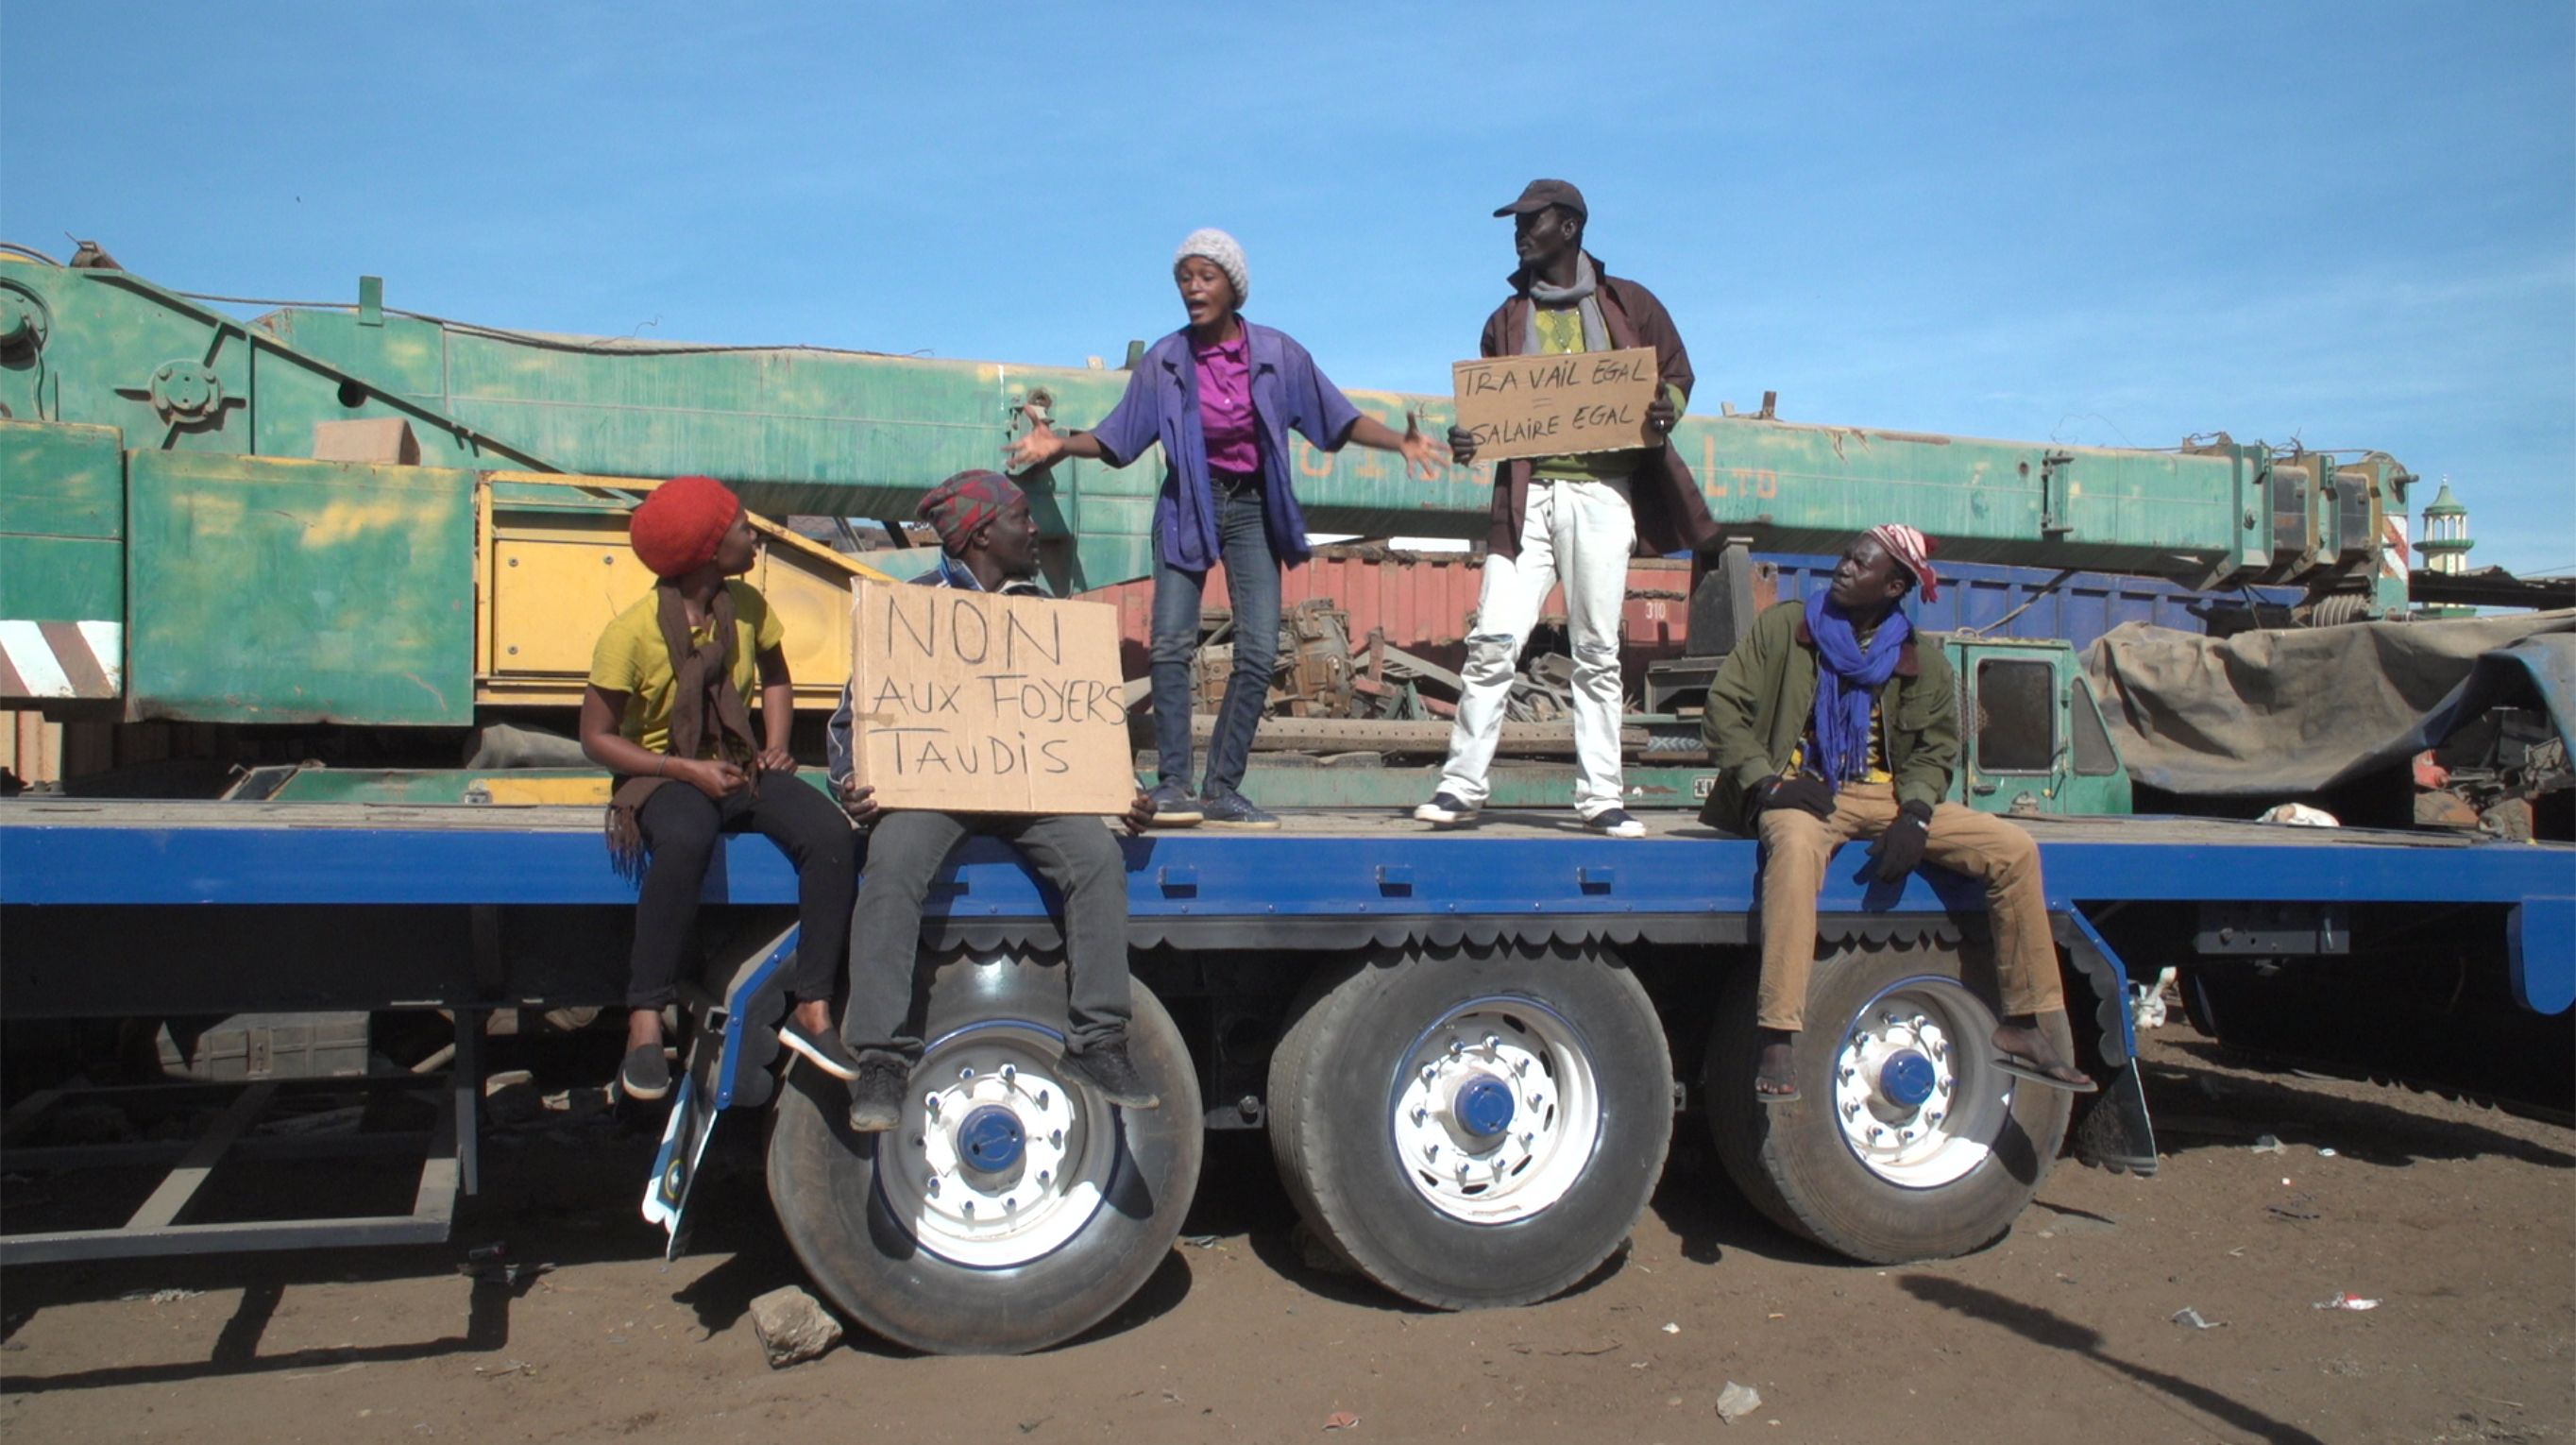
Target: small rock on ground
(793, 1326)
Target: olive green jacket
(1764, 696)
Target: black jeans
(680, 825)
(905, 850)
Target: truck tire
(1473, 1127)
(1905, 1143)
(1016, 1211)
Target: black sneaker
(1615, 823)
(824, 1050)
(1231, 809)
(646, 1074)
(1111, 1072)
(1173, 806)
(1445, 810)
(876, 1092)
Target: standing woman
(1221, 394)
(664, 714)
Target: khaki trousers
(1796, 846)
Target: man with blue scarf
(1828, 723)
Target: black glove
(1798, 790)
(1462, 446)
(1901, 846)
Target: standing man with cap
(664, 714)
(1827, 723)
(1575, 519)
(1221, 395)
(988, 542)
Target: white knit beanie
(1226, 252)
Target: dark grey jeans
(905, 850)
(1252, 590)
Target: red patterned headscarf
(1912, 551)
(964, 502)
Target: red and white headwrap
(1912, 551)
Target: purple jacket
(1162, 405)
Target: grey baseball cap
(1539, 195)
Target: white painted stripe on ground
(107, 644)
(33, 657)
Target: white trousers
(1580, 533)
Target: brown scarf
(702, 681)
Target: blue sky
(2353, 224)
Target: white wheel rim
(973, 1087)
(1446, 1098)
(1913, 1096)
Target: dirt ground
(2460, 1221)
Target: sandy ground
(2460, 1221)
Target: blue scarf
(1848, 676)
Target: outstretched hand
(1422, 456)
(1035, 449)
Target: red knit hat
(680, 525)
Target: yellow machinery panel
(552, 578)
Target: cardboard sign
(972, 702)
(1551, 406)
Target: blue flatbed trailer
(1540, 1000)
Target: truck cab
(2031, 734)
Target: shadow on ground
(2053, 1331)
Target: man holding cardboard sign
(1565, 402)
(989, 714)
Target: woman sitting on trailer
(1221, 395)
(665, 714)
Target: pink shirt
(1225, 405)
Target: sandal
(2037, 1074)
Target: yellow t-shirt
(631, 658)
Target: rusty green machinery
(356, 516)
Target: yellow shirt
(631, 658)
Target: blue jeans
(1252, 590)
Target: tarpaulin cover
(2295, 711)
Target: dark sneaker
(1615, 823)
(646, 1074)
(824, 1050)
(876, 1092)
(1111, 1072)
(1445, 810)
(1233, 810)
(1173, 806)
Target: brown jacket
(1671, 514)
